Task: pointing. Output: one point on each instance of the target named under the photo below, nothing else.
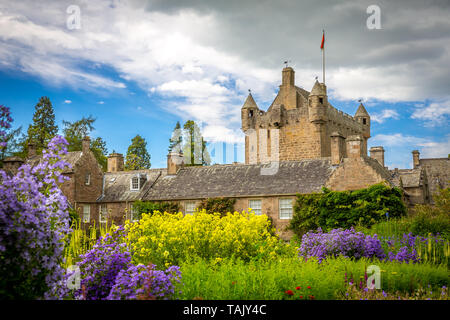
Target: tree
(43, 127)
(74, 132)
(176, 140)
(194, 146)
(137, 155)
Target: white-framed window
(189, 207)
(133, 214)
(86, 213)
(255, 205)
(103, 213)
(134, 183)
(87, 179)
(286, 209)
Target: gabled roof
(241, 180)
(116, 185)
(71, 157)
(361, 112)
(410, 178)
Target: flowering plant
(338, 242)
(100, 266)
(33, 224)
(144, 282)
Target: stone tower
(298, 124)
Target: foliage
(137, 157)
(344, 209)
(338, 242)
(151, 206)
(100, 266)
(43, 128)
(194, 146)
(220, 205)
(176, 140)
(33, 223)
(164, 238)
(74, 133)
(433, 219)
(145, 283)
(270, 279)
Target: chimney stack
(31, 149)
(354, 146)
(337, 147)
(115, 162)
(175, 161)
(377, 153)
(288, 77)
(86, 144)
(416, 158)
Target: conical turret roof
(318, 89)
(361, 112)
(249, 102)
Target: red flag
(323, 40)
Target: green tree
(13, 144)
(194, 146)
(137, 155)
(43, 128)
(176, 140)
(74, 132)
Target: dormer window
(135, 183)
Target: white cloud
(67, 101)
(435, 113)
(101, 102)
(385, 114)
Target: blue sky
(141, 66)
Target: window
(320, 100)
(250, 113)
(103, 214)
(133, 214)
(285, 208)
(255, 205)
(86, 213)
(364, 121)
(87, 179)
(189, 207)
(135, 183)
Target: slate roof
(71, 157)
(240, 180)
(410, 178)
(116, 185)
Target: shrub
(220, 205)
(101, 265)
(145, 283)
(344, 209)
(151, 206)
(164, 238)
(338, 242)
(33, 223)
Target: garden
(356, 252)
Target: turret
(318, 101)
(362, 116)
(249, 112)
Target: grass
(269, 280)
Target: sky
(138, 67)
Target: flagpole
(323, 59)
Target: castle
(299, 145)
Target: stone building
(299, 145)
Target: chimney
(86, 144)
(377, 153)
(175, 161)
(31, 149)
(416, 159)
(337, 147)
(288, 77)
(115, 162)
(354, 146)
